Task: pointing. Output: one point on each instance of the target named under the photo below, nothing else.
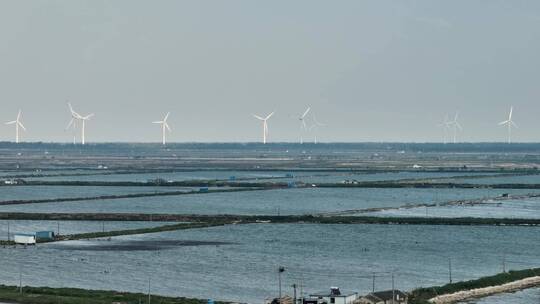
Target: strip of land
(486, 286)
(277, 219)
(46, 295)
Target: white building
(25, 239)
(335, 296)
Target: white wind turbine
(164, 127)
(446, 125)
(455, 125)
(17, 122)
(316, 125)
(76, 116)
(265, 125)
(303, 126)
(509, 123)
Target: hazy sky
(372, 70)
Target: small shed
(336, 296)
(25, 239)
(45, 235)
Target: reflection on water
(317, 255)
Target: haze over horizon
(376, 71)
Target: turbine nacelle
(78, 117)
(509, 123)
(18, 124)
(164, 126)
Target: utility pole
(58, 228)
(504, 263)
(450, 270)
(373, 285)
(8, 236)
(393, 289)
(280, 270)
(20, 279)
(294, 292)
(149, 297)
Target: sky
(370, 70)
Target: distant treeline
(152, 148)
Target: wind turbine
(265, 124)
(76, 116)
(303, 126)
(17, 122)
(446, 124)
(510, 123)
(315, 127)
(455, 125)
(164, 126)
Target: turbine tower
(446, 125)
(265, 125)
(316, 125)
(509, 123)
(76, 116)
(164, 127)
(18, 124)
(303, 127)
(455, 125)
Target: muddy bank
(486, 291)
(247, 219)
(107, 245)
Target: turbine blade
(167, 126)
(514, 124)
(258, 117)
(19, 115)
(458, 126)
(21, 125)
(270, 115)
(157, 122)
(510, 115)
(166, 116)
(11, 122)
(503, 123)
(87, 117)
(306, 112)
(70, 123)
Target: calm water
(529, 208)
(520, 179)
(49, 192)
(283, 201)
(69, 227)
(317, 255)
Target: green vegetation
(45, 295)
(422, 295)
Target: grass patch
(46, 295)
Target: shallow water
(69, 227)
(323, 255)
(49, 192)
(529, 209)
(267, 202)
